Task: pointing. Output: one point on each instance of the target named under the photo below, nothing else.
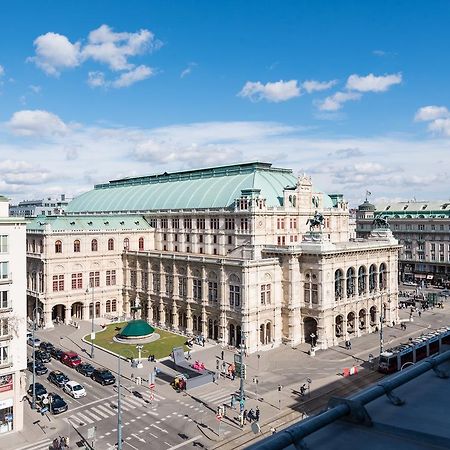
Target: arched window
(235, 291)
(372, 278)
(108, 306)
(126, 244)
(114, 305)
(361, 280)
(350, 282)
(110, 244)
(94, 245)
(141, 244)
(382, 277)
(58, 247)
(76, 246)
(338, 284)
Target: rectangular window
(77, 280)
(4, 244)
(176, 223)
(4, 353)
(110, 278)
(175, 237)
(164, 237)
(4, 327)
(94, 279)
(154, 222)
(200, 224)
(214, 239)
(164, 223)
(244, 224)
(188, 224)
(229, 224)
(4, 270)
(214, 223)
(188, 238)
(133, 278)
(230, 240)
(212, 291)
(314, 293)
(156, 282)
(197, 289)
(235, 296)
(58, 283)
(200, 239)
(4, 303)
(144, 280)
(266, 294)
(169, 284)
(421, 227)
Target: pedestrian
(189, 354)
(217, 364)
(233, 374)
(222, 355)
(349, 345)
(232, 401)
(244, 416)
(420, 314)
(203, 341)
(257, 414)
(251, 415)
(273, 430)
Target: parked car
(58, 378)
(74, 389)
(57, 404)
(46, 346)
(42, 356)
(39, 368)
(33, 342)
(103, 376)
(409, 283)
(56, 353)
(29, 335)
(71, 359)
(39, 390)
(85, 369)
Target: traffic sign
(152, 396)
(219, 417)
(152, 386)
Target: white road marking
(94, 416)
(85, 418)
(137, 437)
(108, 433)
(91, 403)
(184, 443)
(161, 429)
(105, 409)
(33, 446)
(154, 435)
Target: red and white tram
(393, 359)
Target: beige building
(13, 357)
(225, 252)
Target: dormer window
(106, 223)
(122, 222)
(424, 206)
(72, 223)
(90, 223)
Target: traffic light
(244, 371)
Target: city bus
(432, 343)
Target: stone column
(48, 319)
(189, 319)
(162, 313)
(176, 322)
(67, 316)
(223, 327)
(149, 311)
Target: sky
(353, 93)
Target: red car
(71, 359)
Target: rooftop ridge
(195, 174)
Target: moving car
(58, 378)
(41, 392)
(74, 389)
(85, 369)
(57, 404)
(71, 359)
(42, 356)
(56, 353)
(103, 376)
(39, 368)
(33, 343)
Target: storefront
(6, 415)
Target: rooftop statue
(380, 222)
(316, 221)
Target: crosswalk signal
(244, 371)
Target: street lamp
(381, 333)
(93, 315)
(33, 404)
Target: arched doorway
(362, 319)
(351, 322)
(373, 315)
(97, 309)
(339, 326)
(262, 334)
(238, 336)
(215, 330)
(268, 332)
(231, 334)
(310, 330)
(77, 311)
(58, 313)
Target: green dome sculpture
(136, 329)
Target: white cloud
(133, 76)
(188, 69)
(96, 79)
(427, 113)
(114, 49)
(345, 153)
(35, 89)
(440, 126)
(334, 102)
(55, 52)
(314, 86)
(36, 123)
(373, 83)
(278, 91)
(379, 52)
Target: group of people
(348, 345)
(252, 415)
(60, 443)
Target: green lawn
(160, 348)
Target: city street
(166, 419)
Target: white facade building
(13, 357)
(45, 207)
(225, 252)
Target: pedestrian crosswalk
(98, 411)
(41, 445)
(217, 396)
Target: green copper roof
(88, 223)
(215, 187)
(136, 328)
(415, 209)
(3, 198)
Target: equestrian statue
(316, 221)
(380, 222)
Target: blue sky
(353, 93)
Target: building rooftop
(210, 188)
(88, 223)
(415, 209)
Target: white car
(35, 343)
(74, 389)
(410, 283)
